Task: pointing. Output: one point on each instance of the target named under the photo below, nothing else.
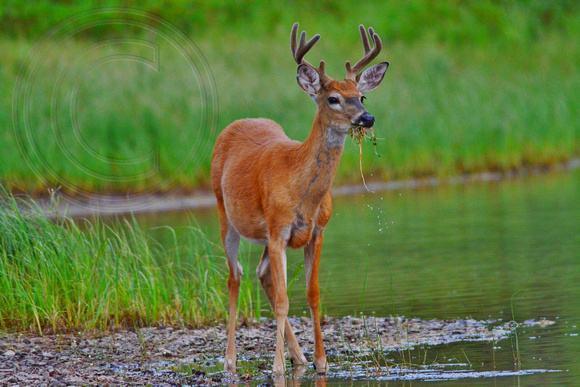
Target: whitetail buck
(275, 192)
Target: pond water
(489, 251)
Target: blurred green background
(473, 86)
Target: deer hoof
(320, 365)
(230, 366)
(279, 369)
(298, 359)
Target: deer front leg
(265, 276)
(311, 264)
(277, 251)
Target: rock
(166, 353)
(76, 380)
(10, 379)
(9, 353)
(53, 382)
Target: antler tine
(369, 54)
(293, 39)
(300, 49)
(364, 37)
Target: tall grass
(57, 276)
(472, 86)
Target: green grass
(473, 86)
(62, 276)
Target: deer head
(340, 102)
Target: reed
(62, 275)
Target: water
(487, 250)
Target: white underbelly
(261, 242)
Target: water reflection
(297, 379)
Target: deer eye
(362, 99)
(333, 100)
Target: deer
(276, 192)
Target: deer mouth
(359, 129)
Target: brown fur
(267, 185)
(276, 191)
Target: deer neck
(320, 155)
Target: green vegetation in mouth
(359, 134)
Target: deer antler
(370, 54)
(300, 49)
(304, 46)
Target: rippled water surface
(484, 250)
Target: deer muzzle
(366, 120)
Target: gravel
(164, 356)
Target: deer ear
(372, 77)
(309, 80)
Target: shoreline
(177, 356)
(106, 204)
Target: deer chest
(300, 232)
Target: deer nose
(366, 120)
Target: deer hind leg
(265, 276)
(277, 251)
(231, 241)
(311, 265)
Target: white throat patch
(335, 137)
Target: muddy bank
(167, 356)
